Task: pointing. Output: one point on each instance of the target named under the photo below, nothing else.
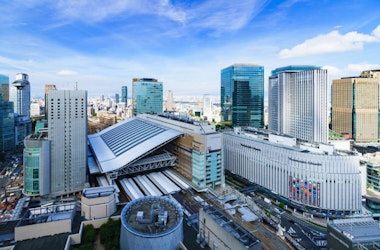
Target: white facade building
(98, 202)
(67, 119)
(207, 106)
(19, 94)
(298, 99)
(170, 101)
(35, 109)
(310, 175)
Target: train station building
(133, 152)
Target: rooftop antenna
(76, 85)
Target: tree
(281, 205)
(110, 234)
(89, 234)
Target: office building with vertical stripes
(355, 107)
(298, 99)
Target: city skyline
(184, 44)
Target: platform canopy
(126, 142)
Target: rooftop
(244, 64)
(96, 192)
(358, 229)
(152, 215)
(232, 227)
(47, 214)
(185, 119)
(294, 68)
(290, 142)
(144, 80)
(41, 134)
(128, 141)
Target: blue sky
(103, 44)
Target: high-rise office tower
(4, 79)
(20, 94)
(242, 95)
(170, 101)
(4, 88)
(23, 127)
(47, 88)
(124, 94)
(67, 119)
(117, 97)
(207, 106)
(298, 98)
(7, 126)
(147, 95)
(355, 107)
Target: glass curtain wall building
(7, 134)
(4, 88)
(147, 96)
(4, 79)
(242, 95)
(7, 126)
(124, 94)
(37, 164)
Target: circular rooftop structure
(151, 222)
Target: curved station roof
(128, 141)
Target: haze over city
(102, 45)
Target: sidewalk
(320, 221)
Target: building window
(35, 185)
(35, 173)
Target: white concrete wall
(42, 229)
(98, 207)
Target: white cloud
(99, 10)
(65, 72)
(225, 15)
(23, 65)
(90, 10)
(332, 70)
(172, 12)
(376, 32)
(331, 42)
(349, 70)
(356, 69)
(290, 3)
(220, 15)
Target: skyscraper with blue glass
(4, 88)
(7, 126)
(147, 96)
(7, 121)
(242, 95)
(124, 94)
